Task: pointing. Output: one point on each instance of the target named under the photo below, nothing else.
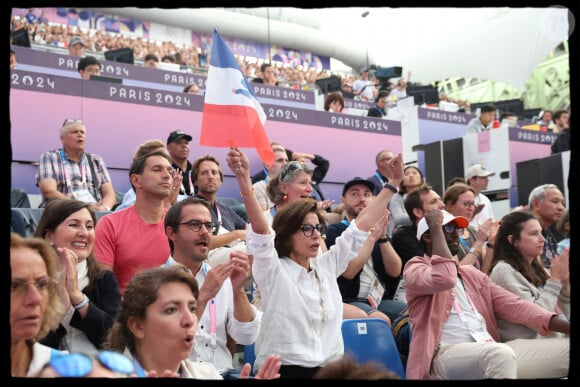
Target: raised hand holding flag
(232, 116)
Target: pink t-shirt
(124, 241)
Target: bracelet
(82, 303)
(390, 187)
(489, 245)
(384, 240)
(247, 195)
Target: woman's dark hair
(333, 97)
(289, 219)
(54, 213)
(142, 291)
(402, 187)
(512, 225)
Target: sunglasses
(451, 228)
(289, 168)
(70, 121)
(76, 365)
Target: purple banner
(440, 115)
(282, 93)
(350, 103)
(533, 136)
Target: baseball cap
(477, 170)
(460, 221)
(364, 70)
(177, 135)
(75, 40)
(357, 180)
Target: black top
(405, 243)
(186, 188)
(562, 142)
(260, 176)
(229, 219)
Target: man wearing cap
(363, 87)
(478, 178)
(178, 148)
(484, 121)
(76, 47)
(453, 311)
(385, 266)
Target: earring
(285, 198)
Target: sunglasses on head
(70, 121)
(75, 365)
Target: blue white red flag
(232, 116)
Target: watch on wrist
(384, 240)
(393, 189)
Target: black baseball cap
(355, 181)
(177, 135)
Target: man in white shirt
(363, 87)
(223, 308)
(478, 179)
(484, 121)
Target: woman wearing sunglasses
(300, 298)
(91, 295)
(105, 364)
(156, 325)
(34, 308)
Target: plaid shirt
(54, 166)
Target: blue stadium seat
(371, 339)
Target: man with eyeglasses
(477, 177)
(72, 173)
(223, 309)
(454, 309)
(133, 239)
(89, 65)
(381, 174)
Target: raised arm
(239, 164)
(371, 213)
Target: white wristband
(82, 303)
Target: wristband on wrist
(489, 245)
(247, 195)
(82, 303)
(390, 187)
(384, 240)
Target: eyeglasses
(70, 121)
(20, 288)
(76, 365)
(467, 204)
(308, 229)
(451, 228)
(195, 225)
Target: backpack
(402, 332)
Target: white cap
(477, 170)
(460, 221)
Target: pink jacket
(429, 287)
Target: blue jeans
(391, 308)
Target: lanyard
(138, 369)
(378, 175)
(345, 222)
(460, 310)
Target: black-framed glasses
(20, 287)
(75, 365)
(70, 121)
(307, 229)
(451, 228)
(468, 204)
(195, 225)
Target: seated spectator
(105, 364)
(319, 172)
(562, 142)
(192, 88)
(168, 59)
(72, 173)
(263, 174)
(363, 88)
(380, 108)
(34, 306)
(91, 295)
(484, 121)
(400, 91)
(178, 148)
(334, 102)
(260, 187)
(89, 65)
(509, 119)
(188, 227)
(516, 268)
(371, 279)
(116, 234)
(156, 327)
(268, 75)
(230, 235)
(151, 61)
(151, 146)
(76, 47)
(453, 311)
(299, 293)
(412, 178)
(545, 120)
(459, 200)
(561, 121)
(380, 177)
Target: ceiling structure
(499, 44)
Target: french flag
(232, 116)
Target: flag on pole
(232, 116)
